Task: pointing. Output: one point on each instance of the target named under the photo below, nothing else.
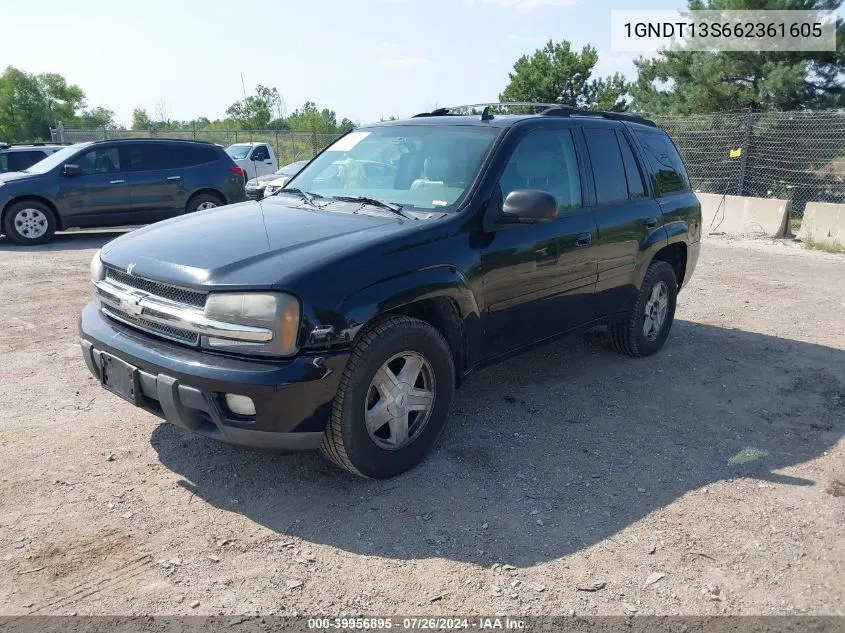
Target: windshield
(54, 160)
(238, 152)
(422, 166)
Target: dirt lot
(699, 481)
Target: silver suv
(20, 156)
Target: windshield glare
(238, 152)
(422, 166)
(56, 159)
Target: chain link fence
(289, 146)
(798, 155)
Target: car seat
(435, 172)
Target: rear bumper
(293, 398)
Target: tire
(29, 223)
(630, 336)
(203, 201)
(387, 345)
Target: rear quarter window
(665, 166)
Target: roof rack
(551, 109)
(566, 111)
(485, 112)
(39, 144)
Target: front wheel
(393, 399)
(29, 223)
(647, 328)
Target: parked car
(116, 183)
(256, 159)
(256, 186)
(20, 156)
(341, 315)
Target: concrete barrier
(743, 215)
(823, 222)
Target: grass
(794, 225)
(827, 247)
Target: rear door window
(636, 187)
(608, 166)
(156, 156)
(665, 165)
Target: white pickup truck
(256, 159)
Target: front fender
(386, 295)
(389, 294)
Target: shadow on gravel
(571, 435)
(71, 241)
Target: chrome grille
(179, 295)
(165, 331)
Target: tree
(31, 104)
(98, 117)
(162, 114)
(687, 82)
(557, 74)
(308, 118)
(140, 119)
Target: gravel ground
(699, 481)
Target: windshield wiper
(390, 206)
(305, 195)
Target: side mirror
(71, 170)
(528, 206)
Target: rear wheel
(203, 201)
(647, 329)
(393, 399)
(29, 223)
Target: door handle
(116, 182)
(174, 177)
(583, 239)
(650, 223)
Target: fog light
(240, 405)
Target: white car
(286, 175)
(256, 159)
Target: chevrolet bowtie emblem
(132, 306)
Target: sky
(364, 59)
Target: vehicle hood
(263, 179)
(257, 245)
(10, 176)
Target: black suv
(343, 311)
(116, 183)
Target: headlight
(277, 312)
(269, 190)
(96, 267)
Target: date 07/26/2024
(415, 623)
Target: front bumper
(255, 194)
(293, 398)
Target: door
(539, 279)
(155, 175)
(100, 194)
(261, 160)
(625, 214)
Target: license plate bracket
(121, 379)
